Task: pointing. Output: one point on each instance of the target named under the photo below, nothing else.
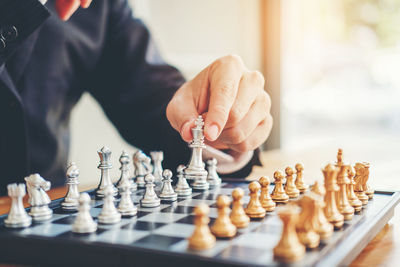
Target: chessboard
(158, 236)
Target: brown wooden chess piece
(318, 188)
(254, 208)
(238, 215)
(305, 226)
(353, 199)
(290, 187)
(223, 227)
(265, 198)
(289, 248)
(201, 238)
(342, 201)
(278, 194)
(319, 221)
(359, 180)
(339, 161)
(331, 212)
(367, 189)
(301, 185)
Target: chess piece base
(289, 255)
(168, 197)
(109, 219)
(150, 204)
(281, 200)
(41, 213)
(70, 205)
(184, 192)
(256, 214)
(214, 182)
(128, 212)
(100, 192)
(310, 239)
(84, 229)
(19, 222)
(224, 231)
(202, 243)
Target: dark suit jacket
(45, 66)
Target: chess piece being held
(238, 215)
(71, 200)
(265, 198)
(105, 166)
(125, 175)
(167, 192)
(17, 216)
(195, 169)
(213, 177)
(289, 248)
(278, 194)
(201, 239)
(300, 184)
(254, 208)
(84, 222)
(109, 213)
(223, 226)
(150, 198)
(126, 206)
(38, 198)
(290, 187)
(182, 188)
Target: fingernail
(212, 132)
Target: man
(46, 64)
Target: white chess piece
(125, 175)
(157, 157)
(109, 213)
(71, 200)
(38, 198)
(17, 217)
(213, 177)
(126, 206)
(105, 166)
(167, 192)
(150, 198)
(84, 222)
(182, 188)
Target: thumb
(65, 8)
(182, 112)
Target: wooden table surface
(384, 249)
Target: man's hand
(232, 100)
(65, 8)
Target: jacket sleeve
(134, 85)
(18, 19)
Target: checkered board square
(163, 231)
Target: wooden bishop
(331, 212)
(342, 201)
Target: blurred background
(331, 69)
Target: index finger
(225, 75)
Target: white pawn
(17, 217)
(125, 175)
(167, 192)
(71, 200)
(126, 207)
(109, 213)
(150, 198)
(84, 222)
(182, 188)
(213, 177)
(157, 157)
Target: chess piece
(71, 200)
(318, 189)
(300, 184)
(182, 188)
(84, 222)
(126, 207)
(38, 198)
(167, 192)
(254, 208)
(304, 227)
(150, 198)
(331, 212)
(319, 222)
(367, 189)
(353, 199)
(223, 226)
(142, 167)
(213, 177)
(342, 201)
(109, 213)
(359, 180)
(125, 175)
(238, 215)
(339, 161)
(201, 238)
(157, 157)
(290, 188)
(266, 201)
(17, 216)
(105, 166)
(289, 248)
(195, 169)
(278, 194)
